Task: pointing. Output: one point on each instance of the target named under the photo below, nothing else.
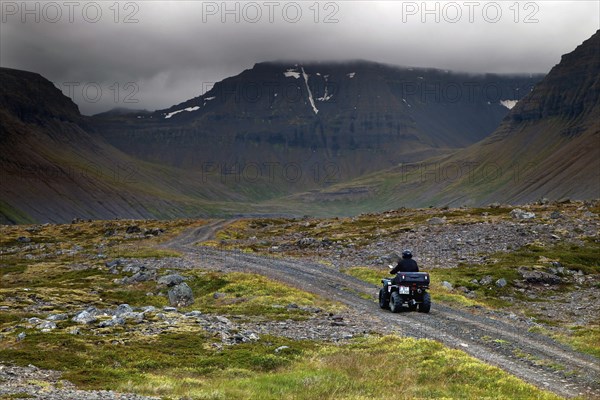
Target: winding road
(535, 358)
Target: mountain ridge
(547, 146)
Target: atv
(407, 292)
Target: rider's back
(407, 265)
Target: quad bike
(407, 292)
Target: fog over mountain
(155, 54)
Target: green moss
(250, 294)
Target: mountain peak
(33, 98)
(570, 89)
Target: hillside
(54, 170)
(547, 146)
(332, 121)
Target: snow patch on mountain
(326, 96)
(509, 103)
(351, 75)
(291, 73)
(310, 96)
(208, 99)
(169, 115)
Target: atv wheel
(383, 302)
(395, 302)
(425, 306)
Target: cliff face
(571, 90)
(547, 146)
(358, 116)
(552, 137)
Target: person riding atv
(408, 289)
(406, 264)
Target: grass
(251, 294)
(584, 339)
(185, 364)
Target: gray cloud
(171, 50)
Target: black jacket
(405, 265)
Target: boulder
(123, 309)
(540, 277)
(170, 280)
(84, 317)
(136, 317)
(149, 309)
(281, 348)
(46, 326)
(154, 231)
(57, 317)
(436, 221)
(112, 264)
(194, 314)
(486, 280)
(181, 295)
(555, 215)
(133, 229)
(447, 285)
(517, 213)
(501, 283)
(141, 276)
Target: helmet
(407, 254)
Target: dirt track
(534, 358)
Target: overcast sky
(153, 54)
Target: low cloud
(155, 54)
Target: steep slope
(547, 146)
(332, 121)
(52, 169)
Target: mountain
(547, 146)
(327, 122)
(284, 137)
(53, 167)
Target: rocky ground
(31, 382)
(473, 237)
(313, 256)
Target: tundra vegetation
(60, 270)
